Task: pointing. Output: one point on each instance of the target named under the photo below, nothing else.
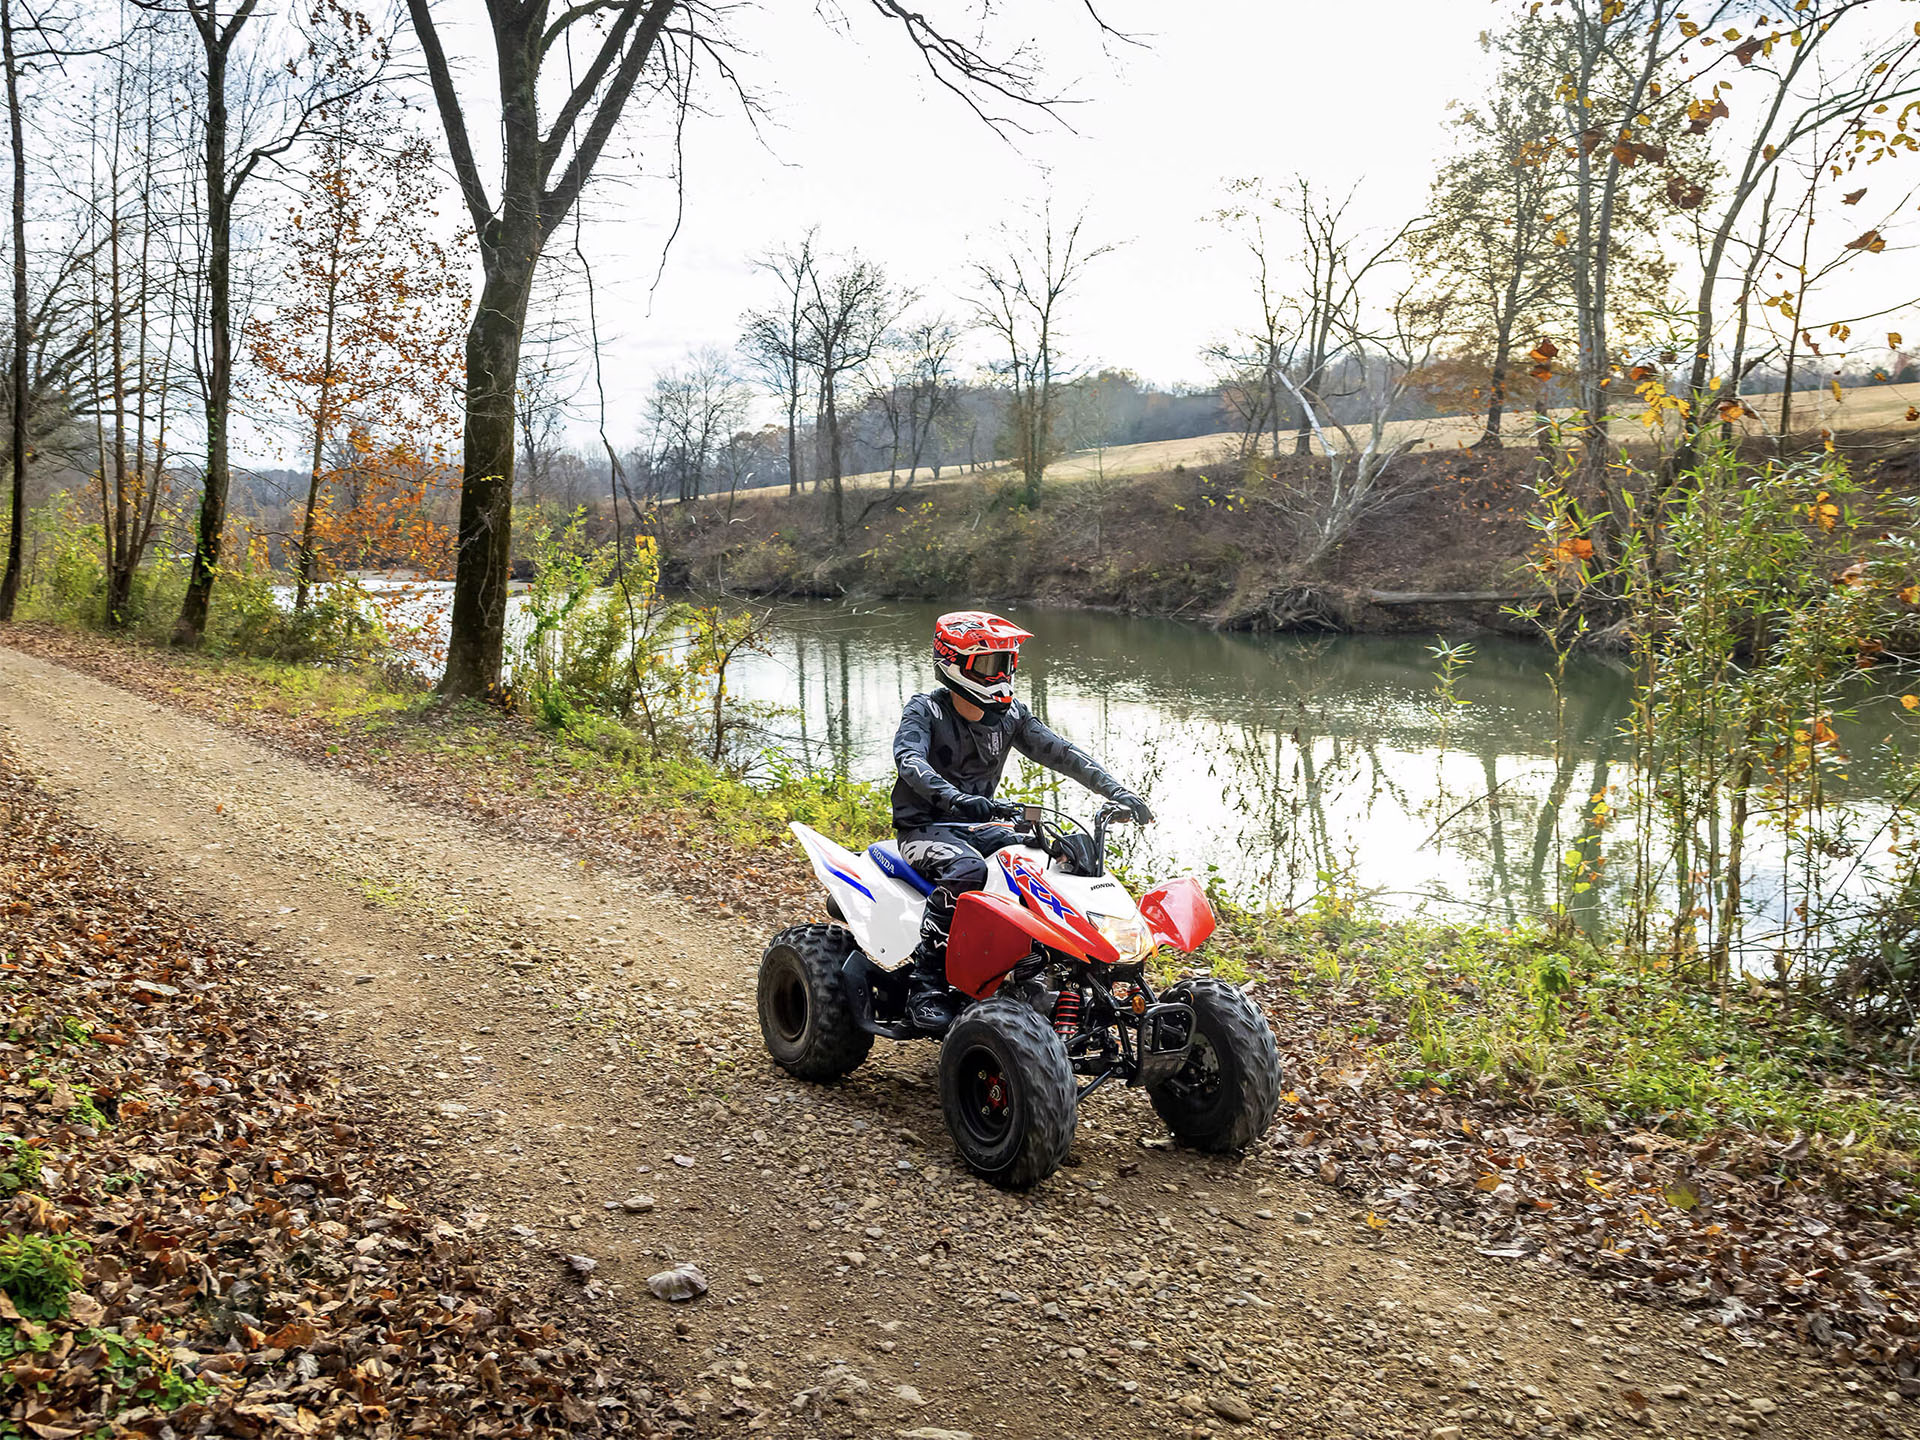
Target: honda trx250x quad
(1050, 959)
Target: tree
(917, 394)
(1360, 479)
(846, 317)
(1494, 224)
(1310, 294)
(1801, 100)
(22, 337)
(370, 307)
(281, 119)
(694, 410)
(24, 396)
(774, 341)
(1018, 302)
(538, 191)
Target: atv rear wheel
(1006, 1088)
(1225, 1096)
(806, 1018)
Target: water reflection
(1292, 764)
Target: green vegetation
(66, 583)
(39, 1272)
(1561, 1023)
(19, 1167)
(140, 1372)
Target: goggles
(990, 664)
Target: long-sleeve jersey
(940, 757)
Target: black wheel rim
(986, 1096)
(787, 1002)
(1198, 1082)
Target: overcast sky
(862, 142)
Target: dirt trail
(570, 1037)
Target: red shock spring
(1066, 1013)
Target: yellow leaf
(1912, 702)
(1488, 1181)
(1291, 1097)
(1376, 1222)
(1834, 385)
(1893, 339)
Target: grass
(1590, 1032)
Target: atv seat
(887, 856)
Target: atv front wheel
(1225, 1096)
(806, 1018)
(1007, 1090)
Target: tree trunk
(833, 463)
(793, 442)
(309, 567)
(191, 627)
(483, 560)
(17, 422)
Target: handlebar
(1033, 818)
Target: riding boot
(930, 1003)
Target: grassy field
(1875, 407)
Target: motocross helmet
(975, 655)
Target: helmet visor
(991, 664)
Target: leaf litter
(204, 1227)
(1762, 1235)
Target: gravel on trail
(577, 1049)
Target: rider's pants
(953, 859)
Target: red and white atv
(1051, 958)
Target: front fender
(992, 934)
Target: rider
(952, 744)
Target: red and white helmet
(976, 654)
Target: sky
(862, 142)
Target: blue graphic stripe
(842, 875)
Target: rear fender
(992, 934)
(1178, 913)
(883, 913)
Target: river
(1293, 765)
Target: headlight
(1126, 933)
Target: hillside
(1863, 408)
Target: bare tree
(847, 315)
(694, 410)
(1313, 264)
(1361, 478)
(1019, 300)
(45, 42)
(916, 394)
(774, 341)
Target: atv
(1050, 960)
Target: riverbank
(1205, 543)
(1547, 1098)
(1198, 544)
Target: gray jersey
(941, 757)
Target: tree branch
(455, 124)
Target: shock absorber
(1066, 1013)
